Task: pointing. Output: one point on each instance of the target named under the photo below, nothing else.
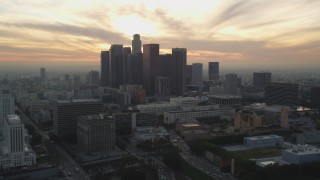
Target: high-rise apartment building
(6, 104)
(150, 66)
(115, 66)
(96, 133)
(282, 94)
(178, 82)
(66, 112)
(261, 79)
(136, 44)
(104, 57)
(213, 70)
(197, 74)
(231, 84)
(43, 75)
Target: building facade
(231, 84)
(197, 74)
(96, 133)
(104, 63)
(282, 94)
(6, 104)
(136, 44)
(178, 80)
(261, 79)
(213, 70)
(115, 68)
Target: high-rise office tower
(231, 84)
(179, 57)
(14, 134)
(93, 78)
(213, 70)
(150, 66)
(104, 73)
(197, 74)
(188, 74)
(282, 93)
(115, 68)
(165, 65)
(135, 69)
(66, 112)
(136, 44)
(43, 75)
(126, 51)
(6, 104)
(261, 79)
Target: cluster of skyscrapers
(151, 69)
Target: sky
(262, 34)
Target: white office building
(14, 152)
(196, 78)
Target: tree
(36, 139)
(172, 159)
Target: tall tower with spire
(136, 44)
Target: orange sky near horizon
(234, 32)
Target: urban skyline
(216, 31)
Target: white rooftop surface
(304, 150)
(263, 137)
(266, 163)
(13, 119)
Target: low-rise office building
(298, 154)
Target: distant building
(136, 44)
(231, 84)
(119, 96)
(115, 68)
(138, 94)
(252, 117)
(197, 74)
(178, 80)
(76, 82)
(282, 94)
(261, 79)
(104, 63)
(188, 74)
(157, 108)
(192, 131)
(135, 69)
(298, 154)
(150, 66)
(124, 123)
(162, 86)
(315, 96)
(93, 78)
(96, 133)
(6, 104)
(66, 112)
(149, 133)
(14, 152)
(213, 70)
(226, 100)
(43, 75)
(144, 119)
(263, 141)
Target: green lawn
(257, 153)
(192, 172)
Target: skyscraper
(179, 57)
(104, 68)
(6, 104)
(135, 69)
(150, 66)
(261, 79)
(188, 74)
(231, 84)
(136, 44)
(213, 70)
(115, 68)
(126, 51)
(197, 74)
(43, 75)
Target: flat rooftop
(226, 96)
(273, 136)
(264, 107)
(13, 119)
(190, 125)
(303, 150)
